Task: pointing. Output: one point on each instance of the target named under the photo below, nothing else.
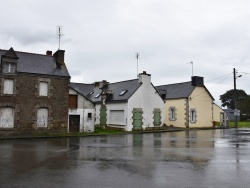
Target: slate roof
(175, 91)
(179, 90)
(116, 88)
(37, 64)
(83, 89)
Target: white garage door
(117, 117)
(7, 117)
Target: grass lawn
(241, 124)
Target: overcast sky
(101, 38)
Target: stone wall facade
(25, 101)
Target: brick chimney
(48, 52)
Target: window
(72, 101)
(91, 92)
(8, 86)
(89, 115)
(193, 115)
(43, 88)
(42, 117)
(97, 95)
(6, 117)
(172, 113)
(117, 117)
(123, 92)
(9, 68)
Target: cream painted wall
(216, 112)
(203, 103)
(199, 100)
(180, 106)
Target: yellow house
(217, 111)
(188, 104)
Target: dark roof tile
(37, 64)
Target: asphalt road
(205, 158)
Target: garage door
(117, 117)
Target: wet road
(207, 158)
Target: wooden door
(137, 119)
(74, 123)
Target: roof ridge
(27, 52)
(124, 81)
(174, 84)
(82, 83)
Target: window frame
(12, 120)
(193, 115)
(5, 91)
(37, 117)
(9, 68)
(75, 106)
(172, 113)
(41, 93)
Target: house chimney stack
(144, 77)
(48, 52)
(197, 81)
(59, 57)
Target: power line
(218, 77)
(212, 86)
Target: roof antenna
(137, 57)
(59, 33)
(192, 63)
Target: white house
(81, 108)
(130, 105)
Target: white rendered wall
(84, 107)
(147, 98)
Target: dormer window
(9, 68)
(98, 95)
(123, 92)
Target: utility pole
(236, 112)
(235, 115)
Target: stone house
(33, 92)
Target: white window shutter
(117, 117)
(8, 86)
(43, 89)
(7, 117)
(42, 117)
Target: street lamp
(235, 103)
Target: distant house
(217, 111)
(81, 108)
(129, 105)
(229, 113)
(187, 104)
(33, 92)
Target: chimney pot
(48, 52)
